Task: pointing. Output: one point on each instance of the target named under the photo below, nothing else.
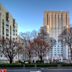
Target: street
(39, 70)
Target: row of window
(58, 49)
(7, 19)
(7, 30)
(58, 46)
(14, 30)
(7, 34)
(58, 54)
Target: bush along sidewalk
(49, 65)
(38, 65)
(10, 65)
(66, 65)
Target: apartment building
(55, 23)
(8, 27)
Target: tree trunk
(41, 59)
(11, 60)
(29, 58)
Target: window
(13, 33)
(13, 38)
(16, 38)
(47, 19)
(7, 25)
(7, 34)
(7, 38)
(10, 30)
(16, 30)
(7, 16)
(3, 26)
(58, 46)
(0, 45)
(3, 22)
(7, 30)
(13, 30)
(3, 37)
(14, 23)
(16, 34)
(55, 54)
(0, 55)
(55, 50)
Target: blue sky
(29, 13)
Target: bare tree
(39, 47)
(27, 38)
(21, 49)
(37, 43)
(45, 36)
(9, 49)
(29, 52)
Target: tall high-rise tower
(55, 23)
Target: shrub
(66, 65)
(38, 61)
(18, 62)
(29, 65)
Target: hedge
(29, 65)
(34, 65)
(10, 65)
(66, 65)
(40, 65)
(46, 65)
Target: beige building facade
(8, 25)
(56, 22)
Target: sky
(29, 14)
